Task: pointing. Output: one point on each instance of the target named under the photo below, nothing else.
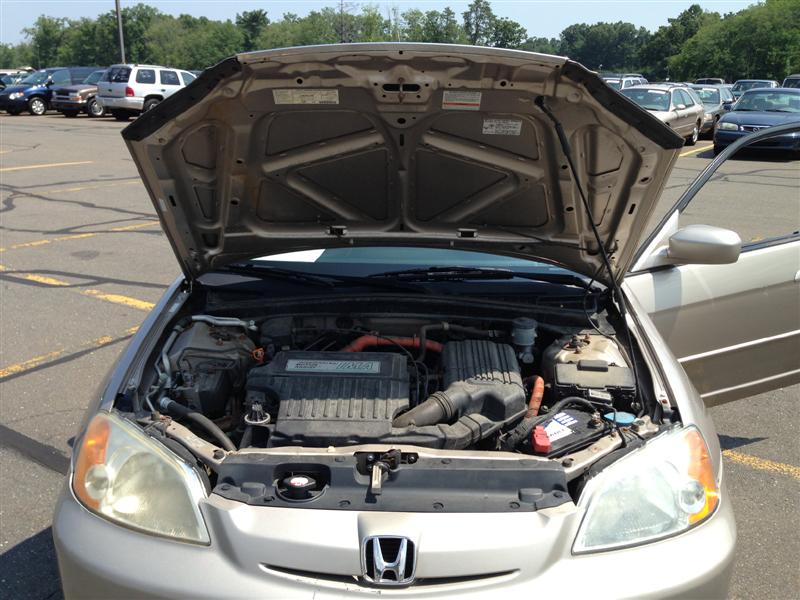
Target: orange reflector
(701, 469)
(92, 452)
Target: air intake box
(332, 398)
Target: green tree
(668, 40)
(541, 44)
(251, 23)
(507, 34)
(46, 36)
(612, 45)
(760, 41)
(432, 26)
(479, 22)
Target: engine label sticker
(502, 127)
(600, 395)
(332, 366)
(461, 100)
(305, 96)
(559, 427)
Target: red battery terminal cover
(541, 441)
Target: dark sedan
(717, 100)
(759, 109)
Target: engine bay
(355, 400)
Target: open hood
(400, 144)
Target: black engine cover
(332, 398)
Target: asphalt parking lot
(82, 260)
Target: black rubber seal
(155, 118)
(622, 107)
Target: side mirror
(49, 82)
(703, 245)
(680, 106)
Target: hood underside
(400, 144)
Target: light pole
(121, 37)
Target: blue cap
(623, 418)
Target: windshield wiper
(316, 279)
(780, 110)
(456, 273)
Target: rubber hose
(435, 409)
(200, 420)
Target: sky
(542, 18)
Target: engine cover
(332, 398)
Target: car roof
(775, 90)
(749, 80)
(657, 86)
(138, 66)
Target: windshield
(94, 77)
(649, 99)
(769, 101)
(614, 83)
(792, 83)
(340, 260)
(741, 86)
(37, 78)
(708, 95)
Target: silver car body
(709, 94)
(679, 109)
(139, 84)
(295, 553)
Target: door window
(169, 78)
(117, 75)
(146, 76)
(187, 77)
(684, 98)
(61, 77)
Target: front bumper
(254, 549)
(723, 138)
(61, 104)
(118, 103)
(18, 104)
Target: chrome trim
(381, 567)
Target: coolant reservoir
(575, 348)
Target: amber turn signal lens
(91, 456)
(702, 471)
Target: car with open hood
(759, 109)
(418, 347)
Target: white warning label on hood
(502, 127)
(461, 100)
(305, 96)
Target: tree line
(762, 40)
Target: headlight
(665, 488)
(16, 95)
(725, 126)
(129, 478)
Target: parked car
(35, 91)
(74, 99)
(11, 77)
(375, 426)
(710, 81)
(760, 109)
(717, 100)
(792, 81)
(742, 85)
(129, 90)
(620, 83)
(672, 105)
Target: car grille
(753, 127)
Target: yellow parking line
(34, 362)
(77, 236)
(100, 295)
(696, 150)
(762, 464)
(45, 166)
(119, 299)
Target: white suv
(128, 90)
